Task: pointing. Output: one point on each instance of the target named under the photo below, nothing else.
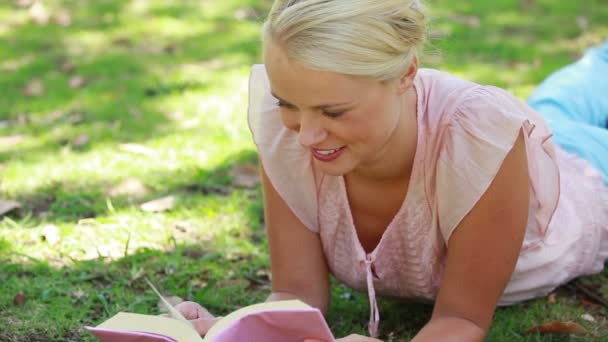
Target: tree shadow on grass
(65, 202)
(125, 80)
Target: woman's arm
(482, 254)
(298, 265)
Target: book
(284, 321)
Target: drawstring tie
(374, 315)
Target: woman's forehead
(292, 81)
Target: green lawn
(107, 104)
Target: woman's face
(347, 122)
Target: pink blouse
(465, 130)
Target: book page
(266, 306)
(154, 324)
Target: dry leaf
(34, 88)
(10, 141)
(24, 3)
(78, 294)
(158, 205)
(122, 41)
(19, 299)
(75, 118)
(131, 187)
(138, 149)
(7, 206)
(582, 22)
(468, 20)
(77, 82)
(558, 328)
(527, 4)
(551, 297)
(245, 175)
(80, 140)
(63, 18)
(246, 13)
(589, 305)
(66, 66)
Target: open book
(283, 321)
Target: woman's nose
(311, 132)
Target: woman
(409, 182)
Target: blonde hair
(377, 39)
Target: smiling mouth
(327, 152)
(327, 155)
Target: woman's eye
(333, 114)
(283, 104)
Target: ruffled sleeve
(473, 145)
(287, 164)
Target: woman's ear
(406, 80)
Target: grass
(163, 104)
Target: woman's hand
(201, 319)
(357, 338)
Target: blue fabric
(574, 100)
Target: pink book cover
(295, 325)
(250, 324)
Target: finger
(202, 325)
(201, 312)
(188, 309)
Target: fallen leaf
(19, 299)
(558, 328)
(63, 18)
(245, 175)
(582, 22)
(24, 3)
(34, 87)
(158, 205)
(11, 140)
(527, 4)
(122, 41)
(65, 66)
(587, 317)
(246, 13)
(23, 119)
(138, 149)
(77, 82)
(131, 187)
(50, 234)
(551, 297)
(78, 294)
(589, 305)
(173, 300)
(194, 252)
(7, 206)
(80, 140)
(169, 49)
(75, 118)
(468, 20)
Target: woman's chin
(332, 168)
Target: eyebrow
(323, 106)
